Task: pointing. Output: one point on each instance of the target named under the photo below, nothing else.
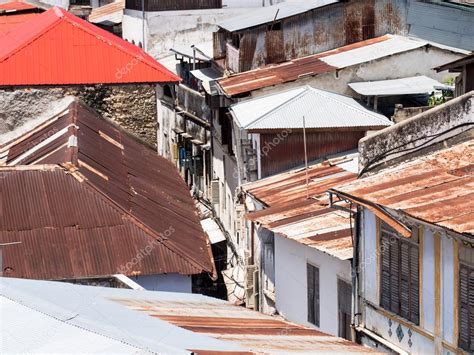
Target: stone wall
(133, 107)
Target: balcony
(193, 102)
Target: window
(344, 301)
(399, 273)
(313, 294)
(466, 298)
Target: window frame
(314, 298)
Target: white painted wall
(175, 29)
(375, 321)
(249, 3)
(291, 258)
(165, 282)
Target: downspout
(355, 277)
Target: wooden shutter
(466, 308)
(414, 284)
(394, 276)
(405, 280)
(385, 279)
(313, 294)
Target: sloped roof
(436, 188)
(101, 198)
(154, 322)
(312, 222)
(109, 14)
(58, 48)
(13, 14)
(321, 109)
(404, 86)
(329, 61)
(273, 13)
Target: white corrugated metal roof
(212, 230)
(404, 86)
(37, 315)
(267, 14)
(207, 76)
(321, 109)
(204, 51)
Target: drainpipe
(355, 278)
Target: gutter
(382, 341)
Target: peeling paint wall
(319, 30)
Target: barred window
(466, 298)
(400, 273)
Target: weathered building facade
(414, 247)
(288, 31)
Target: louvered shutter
(385, 287)
(394, 276)
(464, 328)
(316, 296)
(471, 309)
(405, 277)
(414, 285)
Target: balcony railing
(193, 102)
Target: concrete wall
(249, 3)
(417, 130)
(165, 282)
(173, 29)
(133, 106)
(375, 319)
(291, 258)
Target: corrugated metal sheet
(58, 48)
(288, 152)
(308, 221)
(13, 6)
(320, 109)
(436, 188)
(145, 199)
(275, 12)
(329, 61)
(157, 322)
(442, 23)
(249, 329)
(109, 14)
(13, 14)
(404, 86)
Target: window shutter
(405, 281)
(316, 296)
(414, 285)
(471, 309)
(394, 276)
(464, 308)
(385, 289)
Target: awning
(212, 230)
(404, 86)
(207, 76)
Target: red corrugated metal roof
(17, 6)
(109, 199)
(13, 14)
(437, 188)
(58, 48)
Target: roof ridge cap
(30, 39)
(280, 106)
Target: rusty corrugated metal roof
(288, 71)
(108, 14)
(247, 328)
(437, 188)
(110, 198)
(308, 221)
(329, 61)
